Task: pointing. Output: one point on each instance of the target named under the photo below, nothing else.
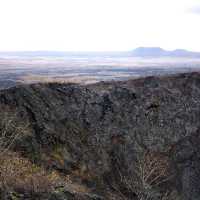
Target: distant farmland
(87, 69)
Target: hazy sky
(99, 24)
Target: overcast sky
(99, 25)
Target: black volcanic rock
(102, 127)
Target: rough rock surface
(101, 126)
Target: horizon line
(97, 51)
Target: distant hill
(159, 52)
(149, 51)
(138, 52)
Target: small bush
(19, 174)
(11, 129)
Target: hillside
(133, 140)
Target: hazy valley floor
(86, 69)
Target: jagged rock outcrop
(100, 130)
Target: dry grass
(18, 173)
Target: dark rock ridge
(102, 127)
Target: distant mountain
(159, 52)
(138, 52)
(149, 51)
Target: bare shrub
(145, 178)
(11, 129)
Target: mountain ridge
(138, 52)
(159, 52)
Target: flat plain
(87, 69)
